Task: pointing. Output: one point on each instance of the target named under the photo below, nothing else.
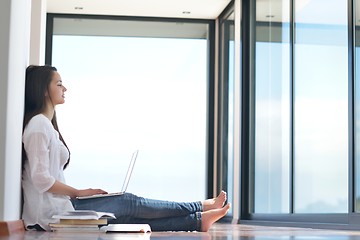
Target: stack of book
(92, 221)
(81, 221)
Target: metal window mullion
(351, 111)
(292, 105)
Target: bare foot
(214, 203)
(211, 216)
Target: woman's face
(57, 90)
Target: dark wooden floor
(218, 231)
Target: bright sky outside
(135, 93)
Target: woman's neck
(49, 112)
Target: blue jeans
(160, 215)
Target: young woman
(46, 155)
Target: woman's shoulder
(39, 122)
(40, 118)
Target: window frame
(209, 144)
(347, 221)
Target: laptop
(125, 184)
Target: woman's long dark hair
(37, 82)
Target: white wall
(14, 52)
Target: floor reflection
(218, 231)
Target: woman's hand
(63, 189)
(90, 192)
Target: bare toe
(220, 200)
(210, 217)
(215, 203)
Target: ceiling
(267, 11)
(197, 9)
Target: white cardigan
(47, 156)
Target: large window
(321, 107)
(272, 107)
(135, 85)
(226, 106)
(298, 108)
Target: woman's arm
(63, 189)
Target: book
(101, 221)
(111, 228)
(81, 221)
(84, 215)
(57, 227)
(126, 228)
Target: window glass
(225, 96)
(229, 24)
(321, 107)
(272, 107)
(132, 86)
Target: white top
(47, 156)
